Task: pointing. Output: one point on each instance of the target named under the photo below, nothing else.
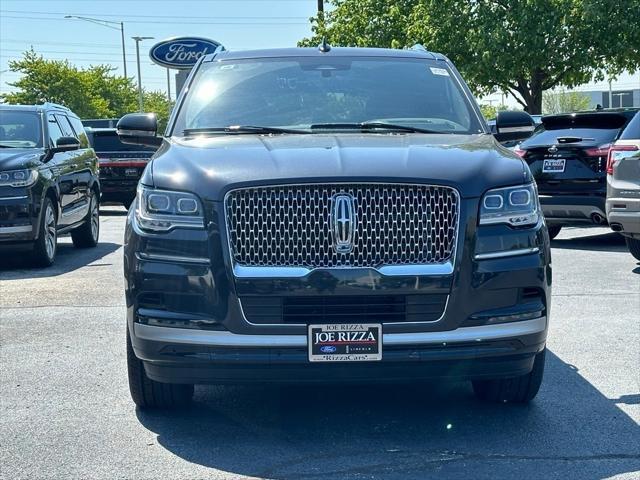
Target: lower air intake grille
(342, 309)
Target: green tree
(520, 46)
(564, 102)
(91, 93)
(489, 111)
(158, 103)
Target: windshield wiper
(241, 129)
(7, 146)
(364, 126)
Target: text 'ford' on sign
(182, 52)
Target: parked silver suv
(623, 186)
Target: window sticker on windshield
(439, 71)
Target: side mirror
(65, 144)
(139, 129)
(514, 126)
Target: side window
(81, 134)
(54, 130)
(632, 132)
(65, 126)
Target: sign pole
(169, 85)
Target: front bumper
(573, 209)
(175, 355)
(185, 277)
(18, 219)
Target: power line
(155, 22)
(124, 17)
(97, 45)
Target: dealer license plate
(356, 342)
(131, 172)
(553, 165)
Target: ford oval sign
(181, 53)
(328, 349)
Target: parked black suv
(567, 155)
(48, 181)
(333, 215)
(121, 165)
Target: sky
(237, 24)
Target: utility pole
(124, 55)
(140, 99)
(108, 24)
(610, 95)
(320, 6)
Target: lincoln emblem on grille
(343, 222)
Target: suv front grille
(290, 226)
(317, 309)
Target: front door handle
(88, 163)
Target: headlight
(18, 178)
(164, 210)
(515, 206)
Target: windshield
(20, 129)
(303, 92)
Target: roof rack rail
(419, 47)
(55, 105)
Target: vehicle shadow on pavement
(610, 242)
(404, 431)
(68, 258)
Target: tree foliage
(564, 102)
(490, 112)
(93, 92)
(520, 46)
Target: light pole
(108, 24)
(140, 100)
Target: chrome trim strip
(241, 271)
(228, 339)
(425, 269)
(506, 253)
(13, 198)
(468, 334)
(244, 316)
(135, 133)
(523, 128)
(19, 229)
(75, 210)
(172, 258)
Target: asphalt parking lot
(65, 410)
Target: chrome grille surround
(287, 227)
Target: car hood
(211, 166)
(18, 158)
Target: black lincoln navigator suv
(48, 182)
(333, 215)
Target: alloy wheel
(95, 217)
(50, 234)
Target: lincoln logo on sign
(182, 52)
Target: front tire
(147, 393)
(520, 389)
(87, 235)
(46, 245)
(633, 244)
(554, 230)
